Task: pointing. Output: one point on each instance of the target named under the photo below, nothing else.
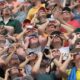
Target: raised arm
(21, 34)
(22, 65)
(6, 74)
(10, 56)
(64, 66)
(43, 26)
(4, 50)
(36, 67)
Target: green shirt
(14, 23)
(45, 76)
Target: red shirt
(74, 23)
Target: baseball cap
(77, 30)
(74, 48)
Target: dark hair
(52, 46)
(26, 21)
(66, 9)
(7, 8)
(56, 32)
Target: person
(74, 70)
(14, 73)
(69, 18)
(41, 73)
(34, 9)
(11, 25)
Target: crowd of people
(39, 39)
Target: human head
(31, 29)
(42, 12)
(57, 41)
(66, 13)
(6, 12)
(77, 32)
(76, 50)
(34, 40)
(52, 26)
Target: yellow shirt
(33, 11)
(77, 74)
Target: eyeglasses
(54, 36)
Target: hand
(11, 37)
(9, 29)
(25, 30)
(40, 55)
(7, 72)
(36, 15)
(27, 58)
(70, 56)
(32, 57)
(22, 71)
(14, 46)
(6, 47)
(74, 35)
(57, 23)
(27, 39)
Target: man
(68, 18)
(10, 24)
(58, 43)
(74, 58)
(34, 9)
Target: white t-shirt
(65, 52)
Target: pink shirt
(74, 23)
